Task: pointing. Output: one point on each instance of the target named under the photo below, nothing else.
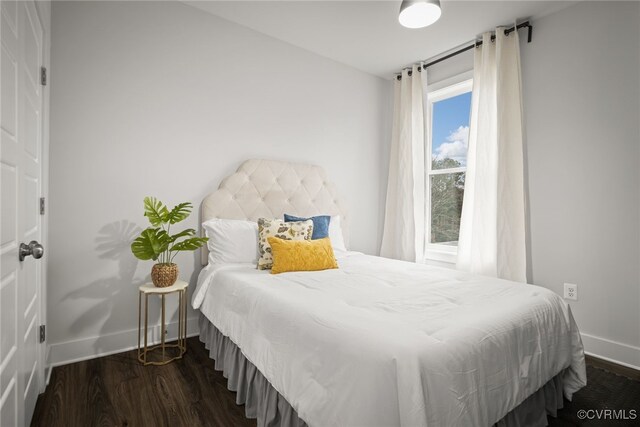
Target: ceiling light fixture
(419, 13)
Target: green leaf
(156, 211)
(150, 244)
(179, 213)
(186, 233)
(163, 238)
(189, 244)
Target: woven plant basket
(164, 275)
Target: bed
(377, 342)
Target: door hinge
(41, 205)
(43, 76)
(43, 333)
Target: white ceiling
(366, 34)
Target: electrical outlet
(571, 291)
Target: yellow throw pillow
(301, 255)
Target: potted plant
(157, 244)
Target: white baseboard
(47, 368)
(104, 345)
(612, 351)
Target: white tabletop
(150, 288)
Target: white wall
(158, 98)
(581, 93)
(582, 96)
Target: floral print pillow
(298, 230)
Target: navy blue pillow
(320, 224)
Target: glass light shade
(419, 14)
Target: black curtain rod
(477, 43)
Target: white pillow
(335, 234)
(231, 240)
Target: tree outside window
(448, 112)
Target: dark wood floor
(117, 391)
(604, 390)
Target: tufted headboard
(269, 188)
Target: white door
(21, 93)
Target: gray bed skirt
(262, 402)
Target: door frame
(43, 9)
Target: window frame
(446, 89)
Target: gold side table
(163, 353)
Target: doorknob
(34, 249)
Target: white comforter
(383, 343)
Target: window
(448, 115)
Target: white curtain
(403, 235)
(492, 227)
